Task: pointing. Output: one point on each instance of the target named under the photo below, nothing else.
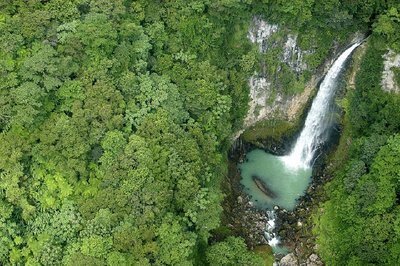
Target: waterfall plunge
(289, 176)
(318, 119)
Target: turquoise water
(284, 184)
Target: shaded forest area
(115, 119)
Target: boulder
(289, 260)
(240, 199)
(314, 260)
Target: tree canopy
(116, 117)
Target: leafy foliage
(113, 121)
(115, 118)
(358, 225)
(231, 252)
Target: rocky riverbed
(240, 215)
(294, 227)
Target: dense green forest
(360, 223)
(116, 117)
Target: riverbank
(242, 218)
(294, 227)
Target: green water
(286, 184)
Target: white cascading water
(318, 119)
(270, 234)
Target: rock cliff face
(284, 83)
(391, 63)
(266, 99)
(260, 32)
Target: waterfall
(318, 119)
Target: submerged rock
(263, 187)
(240, 215)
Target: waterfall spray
(318, 120)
